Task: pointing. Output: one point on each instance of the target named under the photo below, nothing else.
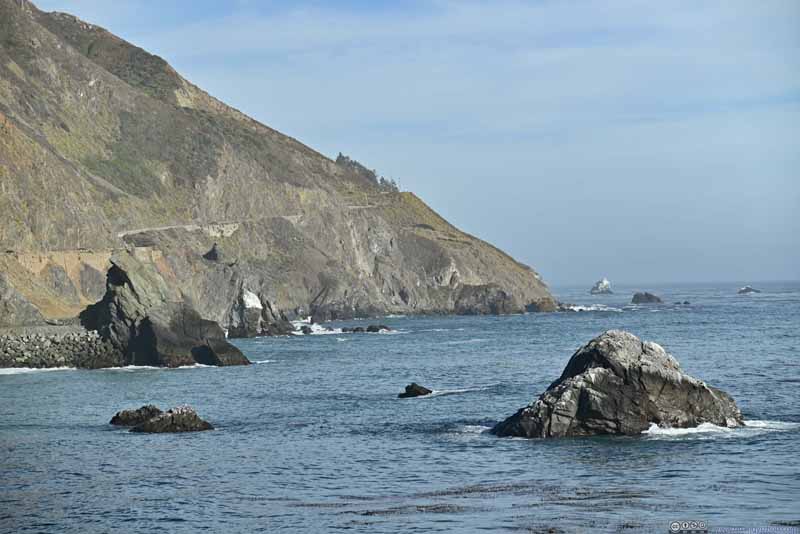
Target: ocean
(312, 437)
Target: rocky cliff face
(104, 147)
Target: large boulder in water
(135, 417)
(180, 419)
(618, 384)
(645, 298)
(150, 322)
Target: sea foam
(709, 430)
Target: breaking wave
(593, 308)
(707, 430)
(24, 370)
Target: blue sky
(639, 140)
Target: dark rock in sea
(415, 390)
(180, 419)
(618, 384)
(374, 328)
(645, 298)
(686, 302)
(358, 330)
(747, 290)
(542, 305)
(601, 287)
(135, 417)
(307, 330)
(279, 328)
(150, 323)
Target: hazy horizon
(638, 141)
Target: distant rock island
(113, 164)
(746, 290)
(601, 287)
(645, 298)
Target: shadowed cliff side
(104, 146)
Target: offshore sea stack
(618, 384)
(601, 287)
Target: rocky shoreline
(82, 349)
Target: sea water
(313, 437)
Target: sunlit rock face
(619, 384)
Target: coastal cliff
(106, 150)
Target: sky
(638, 140)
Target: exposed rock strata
(104, 147)
(618, 384)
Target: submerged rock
(180, 419)
(645, 298)
(415, 390)
(135, 417)
(375, 328)
(748, 289)
(618, 384)
(601, 287)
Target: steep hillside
(104, 148)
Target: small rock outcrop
(151, 324)
(618, 384)
(645, 298)
(375, 328)
(746, 290)
(180, 419)
(601, 287)
(135, 417)
(415, 390)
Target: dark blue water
(314, 439)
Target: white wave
(131, 368)
(594, 307)
(772, 425)
(474, 429)
(262, 361)
(707, 430)
(466, 341)
(341, 339)
(23, 370)
(393, 316)
(443, 392)
(316, 330)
